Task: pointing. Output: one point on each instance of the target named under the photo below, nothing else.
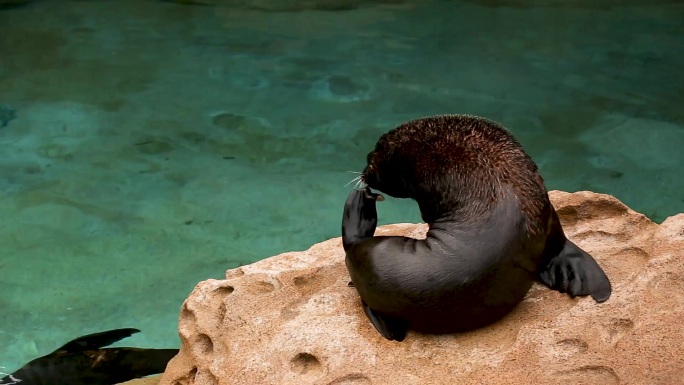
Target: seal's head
(453, 165)
(386, 174)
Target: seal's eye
(369, 157)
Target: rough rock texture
(291, 319)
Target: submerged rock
(291, 319)
(7, 114)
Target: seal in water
(492, 230)
(83, 361)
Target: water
(148, 145)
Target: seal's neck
(451, 203)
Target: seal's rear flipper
(390, 328)
(97, 340)
(575, 272)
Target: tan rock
(291, 319)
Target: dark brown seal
(84, 361)
(493, 230)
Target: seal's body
(493, 230)
(83, 361)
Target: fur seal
(83, 361)
(492, 230)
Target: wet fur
(493, 230)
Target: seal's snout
(368, 175)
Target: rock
(341, 89)
(7, 114)
(291, 319)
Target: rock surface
(291, 319)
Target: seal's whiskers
(356, 179)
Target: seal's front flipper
(97, 340)
(390, 328)
(360, 217)
(575, 272)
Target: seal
(84, 361)
(492, 230)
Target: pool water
(148, 145)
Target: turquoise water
(148, 145)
